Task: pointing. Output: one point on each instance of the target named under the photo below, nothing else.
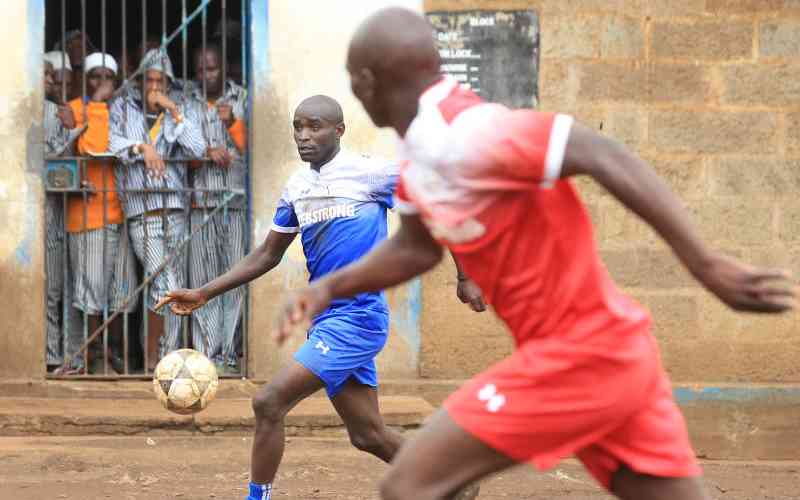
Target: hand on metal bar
(153, 162)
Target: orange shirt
(99, 173)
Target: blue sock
(260, 491)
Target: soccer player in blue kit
(338, 205)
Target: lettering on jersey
(493, 400)
(327, 213)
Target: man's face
(316, 138)
(53, 81)
(75, 50)
(97, 77)
(155, 80)
(208, 69)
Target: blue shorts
(344, 345)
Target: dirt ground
(202, 467)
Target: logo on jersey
(322, 347)
(327, 213)
(493, 400)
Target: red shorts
(608, 405)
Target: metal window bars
(83, 329)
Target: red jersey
(486, 182)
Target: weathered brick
(626, 124)
(670, 8)
(725, 360)
(649, 268)
(789, 221)
(756, 84)
(793, 132)
(675, 315)
(754, 176)
(743, 6)
(707, 40)
(685, 175)
(624, 82)
(780, 38)
(630, 7)
(622, 38)
(733, 222)
(566, 37)
(713, 132)
(621, 228)
(559, 84)
(679, 83)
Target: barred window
(146, 118)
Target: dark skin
(156, 101)
(54, 82)
(318, 127)
(442, 457)
(208, 69)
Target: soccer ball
(185, 381)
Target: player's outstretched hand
(747, 288)
(469, 293)
(183, 301)
(300, 307)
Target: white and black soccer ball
(185, 381)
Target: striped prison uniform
(221, 242)
(156, 221)
(58, 141)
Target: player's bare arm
(409, 253)
(258, 262)
(636, 185)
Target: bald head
(391, 61)
(318, 126)
(394, 42)
(323, 107)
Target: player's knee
(369, 440)
(269, 405)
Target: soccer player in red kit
(491, 184)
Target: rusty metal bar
(64, 52)
(224, 44)
(145, 315)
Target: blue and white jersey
(340, 212)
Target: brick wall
(708, 91)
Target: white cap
(96, 61)
(59, 60)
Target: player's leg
(292, 384)
(438, 461)
(357, 404)
(630, 485)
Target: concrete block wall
(707, 91)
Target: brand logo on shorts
(322, 347)
(494, 401)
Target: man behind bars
(221, 242)
(58, 140)
(101, 262)
(150, 124)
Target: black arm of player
(258, 262)
(409, 253)
(638, 187)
